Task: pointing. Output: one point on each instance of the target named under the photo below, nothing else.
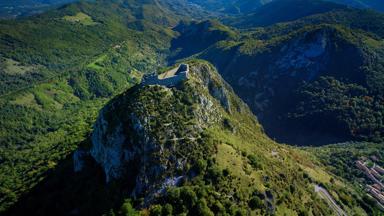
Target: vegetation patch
(28, 100)
(98, 63)
(81, 18)
(13, 67)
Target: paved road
(331, 202)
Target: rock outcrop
(151, 132)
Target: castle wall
(169, 82)
(172, 81)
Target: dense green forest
(349, 106)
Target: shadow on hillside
(196, 37)
(305, 135)
(64, 192)
(314, 130)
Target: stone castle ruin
(170, 78)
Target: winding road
(323, 193)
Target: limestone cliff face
(269, 74)
(107, 149)
(258, 75)
(305, 53)
(304, 58)
(149, 134)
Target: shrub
(253, 160)
(200, 166)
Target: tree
(255, 203)
(167, 210)
(155, 210)
(200, 166)
(127, 209)
(203, 209)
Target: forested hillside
(57, 71)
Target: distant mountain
(372, 4)
(197, 36)
(282, 11)
(20, 8)
(231, 6)
(247, 6)
(336, 52)
(31, 2)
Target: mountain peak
(162, 122)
